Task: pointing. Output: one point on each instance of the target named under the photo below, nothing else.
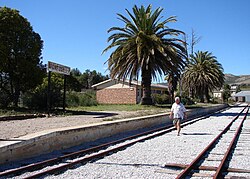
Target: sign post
(54, 67)
(48, 95)
(57, 68)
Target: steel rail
(203, 167)
(94, 156)
(194, 163)
(221, 167)
(52, 161)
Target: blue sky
(75, 31)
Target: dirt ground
(18, 128)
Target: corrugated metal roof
(243, 93)
(106, 81)
(132, 82)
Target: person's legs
(178, 126)
(175, 123)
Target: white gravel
(241, 156)
(146, 159)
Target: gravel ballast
(147, 159)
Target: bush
(87, 98)
(161, 98)
(72, 99)
(37, 98)
(231, 101)
(186, 100)
(4, 99)
(216, 100)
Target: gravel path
(146, 159)
(18, 128)
(241, 156)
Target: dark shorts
(175, 120)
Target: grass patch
(133, 107)
(6, 112)
(81, 110)
(16, 111)
(120, 107)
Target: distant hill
(239, 80)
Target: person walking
(177, 114)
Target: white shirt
(178, 110)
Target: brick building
(118, 92)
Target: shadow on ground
(196, 134)
(97, 114)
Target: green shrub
(161, 98)
(37, 98)
(216, 100)
(72, 99)
(231, 101)
(87, 98)
(4, 99)
(186, 100)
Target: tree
(172, 80)
(226, 92)
(145, 46)
(96, 77)
(194, 40)
(75, 72)
(203, 74)
(238, 89)
(20, 55)
(89, 78)
(72, 83)
(189, 51)
(37, 98)
(73, 80)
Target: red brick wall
(116, 96)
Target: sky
(75, 31)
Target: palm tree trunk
(201, 98)
(207, 95)
(191, 92)
(170, 92)
(170, 87)
(201, 94)
(16, 98)
(146, 85)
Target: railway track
(222, 139)
(80, 157)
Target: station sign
(58, 68)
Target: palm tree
(203, 74)
(142, 48)
(172, 80)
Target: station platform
(47, 141)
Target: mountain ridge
(237, 79)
